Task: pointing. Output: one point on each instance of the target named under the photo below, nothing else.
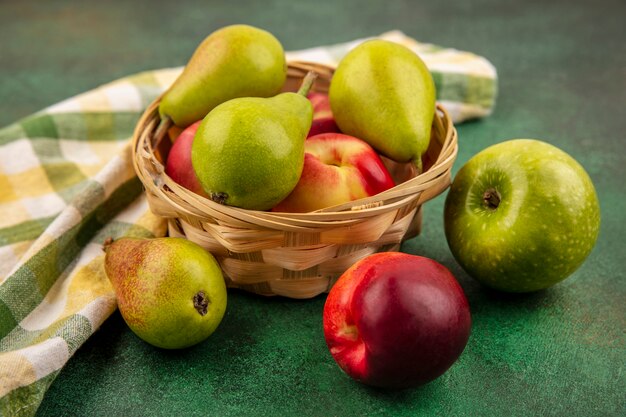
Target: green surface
(559, 352)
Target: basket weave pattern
(297, 255)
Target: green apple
(521, 216)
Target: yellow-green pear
(170, 291)
(383, 93)
(249, 152)
(235, 61)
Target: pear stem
(107, 242)
(419, 166)
(307, 83)
(161, 130)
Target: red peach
(396, 320)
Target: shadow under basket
(297, 255)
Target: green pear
(383, 93)
(235, 61)
(170, 291)
(249, 152)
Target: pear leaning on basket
(235, 61)
(383, 93)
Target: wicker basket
(297, 255)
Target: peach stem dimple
(349, 332)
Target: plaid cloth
(67, 183)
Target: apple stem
(200, 303)
(492, 198)
(307, 83)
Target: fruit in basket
(521, 216)
(235, 61)
(323, 120)
(249, 152)
(396, 320)
(383, 93)
(170, 291)
(178, 165)
(337, 168)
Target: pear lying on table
(249, 152)
(235, 61)
(170, 291)
(383, 93)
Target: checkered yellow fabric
(67, 184)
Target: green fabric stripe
(74, 329)
(48, 150)
(92, 192)
(481, 91)
(7, 322)
(43, 269)
(20, 291)
(61, 173)
(39, 125)
(95, 126)
(24, 401)
(66, 178)
(464, 88)
(100, 126)
(11, 133)
(72, 192)
(24, 231)
(71, 126)
(121, 197)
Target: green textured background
(562, 69)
